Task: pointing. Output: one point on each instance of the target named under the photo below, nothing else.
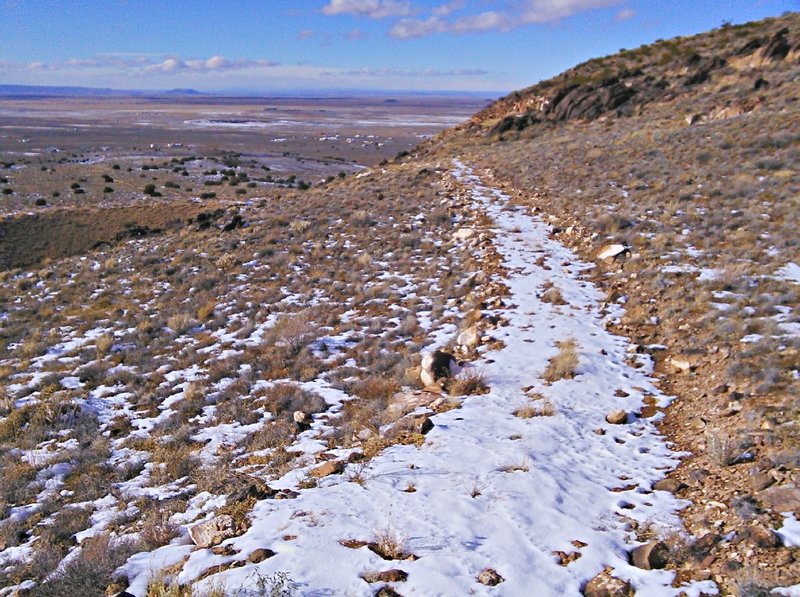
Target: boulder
(605, 585)
(464, 233)
(468, 338)
(332, 467)
(651, 556)
(617, 417)
(490, 577)
(610, 252)
(438, 365)
(212, 532)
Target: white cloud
(373, 9)
(508, 16)
(445, 9)
(411, 28)
(140, 65)
(624, 14)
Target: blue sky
(282, 45)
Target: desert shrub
(281, 400)
(18, 477)
(89, 573)
(156, 528)
(180, 322)
(65, 524)
(271, 435)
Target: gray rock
(605, 585)
(781, 498)
(650, 556)
(212, 532)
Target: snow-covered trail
(490, 489)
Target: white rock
(464, 233)
(611, 251)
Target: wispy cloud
(140, 65)
(624, 14)
(445, 9)
(501, 15)
(394, 72)
(373, 9)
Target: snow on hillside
(487, 488)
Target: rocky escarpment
(623, 84)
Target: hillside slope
(613, 257)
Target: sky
(265, 46)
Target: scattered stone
(356, 457)
(464, 233)
(224, 550)
(611, 252)
(617, 417)
(679, 365)
(670, 485)
(720, 389)
(212, 532)
(650, 556)
(760, 480)
(605, 585)
(781, 498)
(490, 577)
(332, 467)
(286, 494)
(565, 559)
(422, 424)
(762, 537)
(468, 338)
(393, 575)
(704, 544)
(259, 555)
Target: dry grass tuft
(467, 383)
(564, 365)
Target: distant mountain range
(55, 91)
(65, 91)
